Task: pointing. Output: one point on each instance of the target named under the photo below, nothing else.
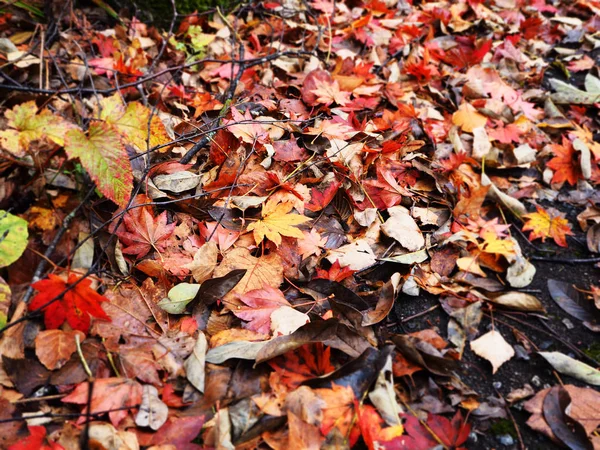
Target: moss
(503, 426)
(593, 351)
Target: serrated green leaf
(13, 238)
(103, 155)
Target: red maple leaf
(76, 306)
(307, 362)
(450, 433)
(505, 134)
(420, 68)
(565, 163)
(261, 303)
(35, 440)
(142, 232)
(335, 272)
(321, 196)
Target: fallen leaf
(117, 395)
(467, 118)
(194, 365)
(104, 157)
(54, 347)
(543, 225)
(568, 366)
(259, 305)
(276, 222)
(402, 227)
(153, 412)
(14, 234)
(494, 348)
(76, 306)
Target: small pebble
(567, 323)
(472, 439)
(506, 439)
(536, 381)
(546, 345)
(521, 352)
(497, 385)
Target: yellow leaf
(26, 125)
(542, 225)
(493, 244)
(277, 222)
(131, 122)
(467, 118)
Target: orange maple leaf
(543, 225)
(75, 306)
(565, 163)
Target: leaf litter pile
(300, 225)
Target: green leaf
(103, 155)
(569, 366)
(178, 298)
(13, 238)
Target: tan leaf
(494, 348)
(266, 270)
(54, 347)
(205, 261)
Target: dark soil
(549, 334)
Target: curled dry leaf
(153, 412)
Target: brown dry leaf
(54, 347)
(205, 261)
(302, 435)
(266, 270)
(584, 409)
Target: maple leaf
(76, 306)
(339, 411)
(493, 244)
(26, 125)
(134, 122)
(451, 433)
(143, 232)
(543, 225)
(328, 92)
(276, 222)
(35, 440)
(565, 163)
(266, 270)
(335, 272)
(420, 68)
(370, 424)
(245, 127)
(103, 155)
(467, 118)
(260, 304)
(505, 133)
(311, 244)
(307, 362)
(116, 395)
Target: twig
(422, 313)
(565, 260)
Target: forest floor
(300, 225)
